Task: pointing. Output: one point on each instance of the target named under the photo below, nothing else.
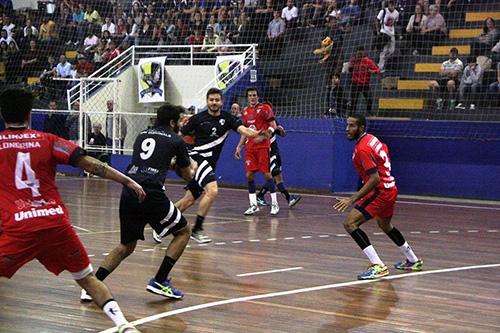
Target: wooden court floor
(292, 273)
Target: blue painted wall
(428, 157)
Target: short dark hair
(251, 89)
(166, 113)
(360, 48)
(214, 91)
(453, 50)
(360, 119)
(16, 105)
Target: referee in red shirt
(361, 66)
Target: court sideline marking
(296, 291)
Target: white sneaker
(156, 237)
(251, 210)
(275, 209)
(460, 106)
(473, 106)
(85, 297)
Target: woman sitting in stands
(487, 39)
(414, 29)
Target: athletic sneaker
(406, 265)
(275, 209)
(128, 328)
(156, 237)
(460, 106)
(85, 297)
(439, 103)
(261, 201)
(251, 210)
(164, 289)
(374, 272)
(294, 199)
(200, 237)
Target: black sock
(396, 236)
(199, 223)
(282, 189)
(165, 268)
(361, 238)
(262, 191)
(102, 273)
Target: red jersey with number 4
(257, 118)
(29, 196)
(370, 155)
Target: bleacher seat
(427, 67)
(445, 49)
(71, 54)
(401, 103)
(2, 71)
(413, 85)
(481, 16)
(464, 33)
(32, 80)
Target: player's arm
(248, 132)
(241, 143)
(103, 170)
(342, 204)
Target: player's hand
(137, 189)
(281, 131)
(237, 154)
(342, 204)
(264, 134)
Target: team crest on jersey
(222, 122)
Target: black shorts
(275, 162)
(205, 173)
(443, 83)
(156, 210)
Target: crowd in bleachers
(34, 41)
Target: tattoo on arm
(99, 169)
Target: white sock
(408, 252)
(113, 311)
(274, 199)
(253, 199)
(373, 256)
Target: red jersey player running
(376, 199)
(35, 222)
(259, 117)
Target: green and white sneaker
(374, 272)
(406, 265)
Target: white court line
(80, 228)
(295, 291)
(271, 271)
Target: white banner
(151, 80)
(228, 68)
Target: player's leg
(205, 177)
(352, 225)
(176, 224)
(251, 165)
(275, 208)
(276, 171)
(103, 298)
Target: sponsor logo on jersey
(222, 122)
(33, 212)
(19, 145)
(18, 136)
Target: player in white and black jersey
(276, 168)
(210, 129)
(154, 149)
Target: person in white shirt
(109, 26)
(63, 68)
(8, 26)
(290, 14)
(29, 26)
(450, 73)
(386, 20)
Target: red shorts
(257, 160)
(378, 203)
(58, 249)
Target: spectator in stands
(7, 6)
(385, 23)
(8, 25)
(121, 28)
(414, 28)
(351, 13)
(31, 60)
(72, 124)
(333, 10)
(450, 73)
(433, 29)
(120, 126)
(99, 53)
(63, 68)
(29, 26)
(197, 23)
(112, 51)
(13, 65)
(236, 109)
(4, 37)
(48, 31)
(90, 42)
(55, 122)
(222, 39)
(274, 40)
(77, 15)
(83, 67)
(495, 53)
(92, 16)
(290, 14)
(312, 12)
(209, 40)
(97, 139)
(105, 37)
(196, 38)
(470, 83)
(494, 87)
(335, 98)
(109, 26)
(487, 39)
(48, 73)
(361, 67)
(4, 51)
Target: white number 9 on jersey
(148, 148)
